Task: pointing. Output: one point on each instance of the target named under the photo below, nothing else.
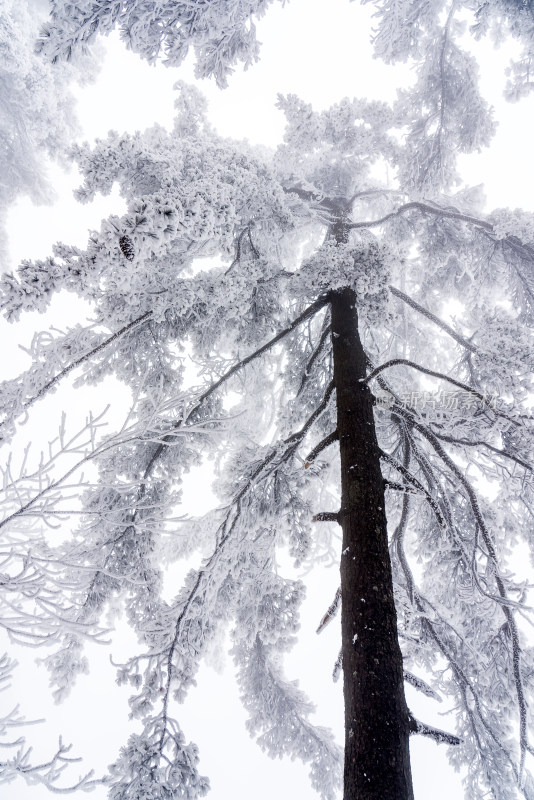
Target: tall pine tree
(311, 297)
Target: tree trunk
(377, 759)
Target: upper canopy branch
(426, 208)
(524, 250)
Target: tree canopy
(330, 388)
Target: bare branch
(333, 608)
(326, 442)
(439, 736)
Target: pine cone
(126, 245)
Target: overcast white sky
(321, 52)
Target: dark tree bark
(377, 723)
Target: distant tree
(311, 296)
(37, 118)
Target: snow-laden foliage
(36, 108)
(221, 32)
(406, 29)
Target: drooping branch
(470, 557)
(460, 677)
(503, 600)
(505, 603)
(313, 358)
(397, 539)
(299, 435)
(274, 705)
(306, 314)
(166, 440)
(405, 416)
(443, 90)
(524, 251)
(394, 362)
(415, 483)
(411, 416)
(278, 454)
(426, 208)
(481, 443)
(79, 361)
